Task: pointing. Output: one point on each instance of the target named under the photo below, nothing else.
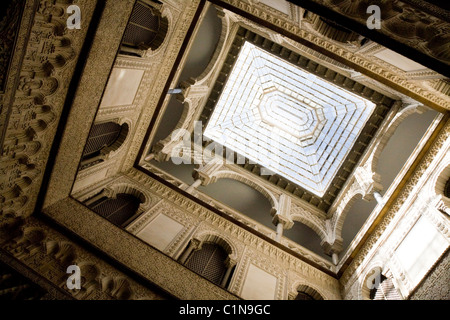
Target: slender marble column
(194, 185)
(378, 197)
(280, 228)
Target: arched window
(442, 188)
(385, 290)
(120, 210)
(210, 261)
(447, 189)
(101, 135)
(146, 29)
(103, 138)
(303, 296)
(307, 293)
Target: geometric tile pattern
(287, 120)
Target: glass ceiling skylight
(287, 120)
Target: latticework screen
(447, 189)
(303, 296)
(102, 135)
(142, 28)
(117, 210)
(209, 262)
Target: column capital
(162, 150)
(230, 261)
(282, 212)
(190, 89)
(368, 182)
(285, 221)
(109, 192)
(206, 172)
(332, 248)
(196, 244)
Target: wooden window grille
(146, 29)
(447, 189)
(102, 135)
(209, 262)
(119, 210)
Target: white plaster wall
(420, 249)
(122, 87)
(160, 231)
(258, 284)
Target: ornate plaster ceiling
(290, 121)
(321, 120)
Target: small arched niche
(305, 292)
(103, 139)
(120, 209)
(146, 29)
(211, 258)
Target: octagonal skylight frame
(238, 117)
